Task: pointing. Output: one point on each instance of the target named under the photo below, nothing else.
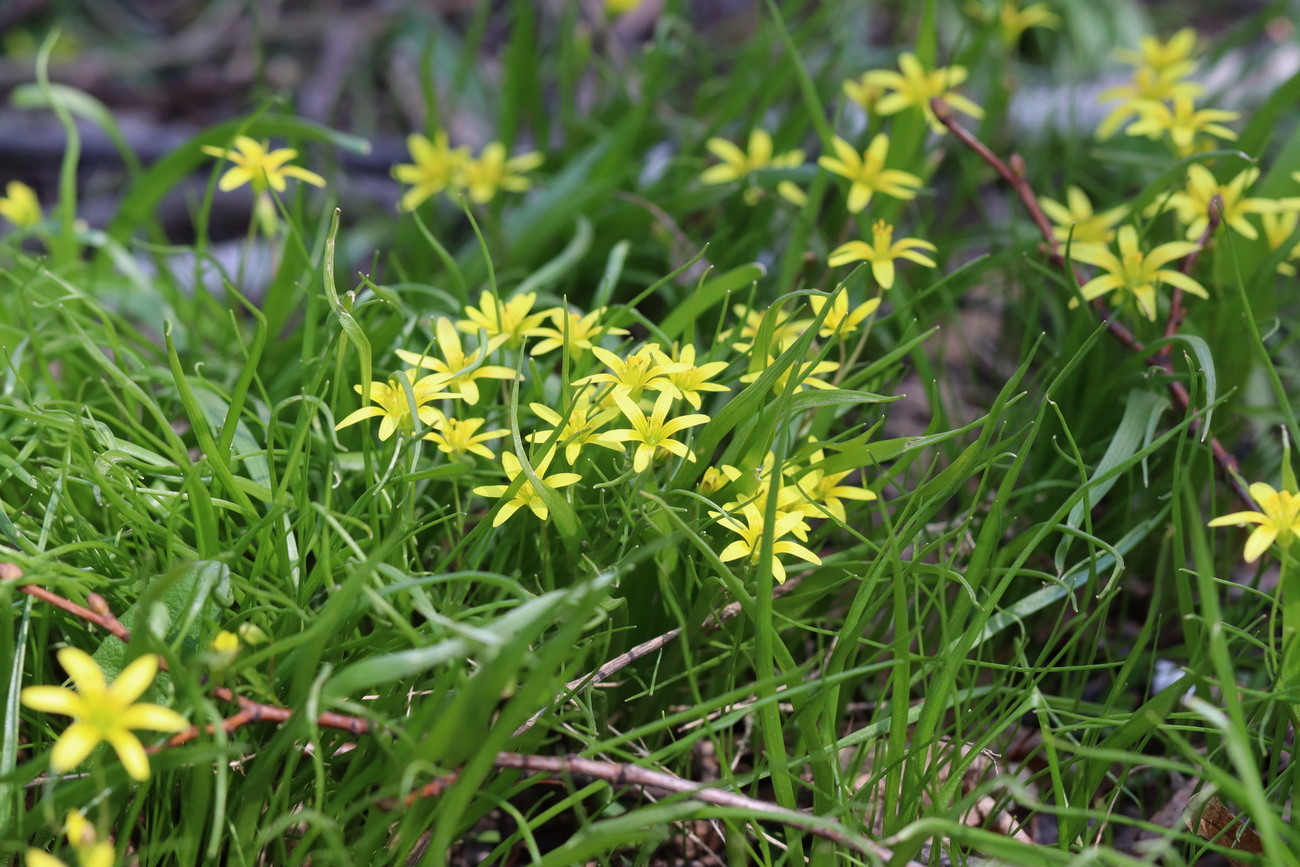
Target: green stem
(1289, 594)
(63, 246)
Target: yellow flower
(393, 406)
(527, 495)
(737, 163)
(882, 251)
(1278, 229)
(492, 172)
(255, 165)
(1174, 54)
(20, 205)
(579, 427)
(653, 432)
(1182, 121)
(511, 320)
(717, 478)
(1192, 205)
(1135, 273)
(1147, 85)
(688, 383)
(573, 330)
(887, 92)
(621, 7)
(85, 843)
(818, 486)
(225, 642)
(1014, 21)
(434, 168)
(867, 173)
(755, 487)
(864, 90)
(457, 369)
(647, 369)
(103, 713)
(784, 332)
(1278, 519)
(460, 436)
(839, 320)
(223, 649)
(1077, 214)
(750, 543)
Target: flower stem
(1289, 592)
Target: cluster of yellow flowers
(802, 493)
(436, 166)
(1160, 101)
(1136, 274)
(641, 402)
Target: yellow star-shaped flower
(510, 320)
(393, 406)
(1134, 273)
(882, 251)
(458, 368)
(751, 531)
(492, 172)
(887, 92)
(867, 173)
(526, 495)
(654, 432)
(1278, 519)
(737, 163)
(103, 713)
(435, 167)
(1076, 221)
(254, 164)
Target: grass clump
(763, 453)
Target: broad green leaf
(181, 608)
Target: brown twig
(660, 783)
(251, 711)
(644, 649)
(1176, 313)
(649, 781)
(1014, 175)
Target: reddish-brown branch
(1014, 175)
(649, 781)
(251, 711)
(1176, 313)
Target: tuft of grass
(911, 591)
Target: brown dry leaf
(1216, 822)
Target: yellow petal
(53, 699)
(135, 678)
(131, 753)
(73, 746)
(1259, 542)
(154, 718)
(83, 670)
